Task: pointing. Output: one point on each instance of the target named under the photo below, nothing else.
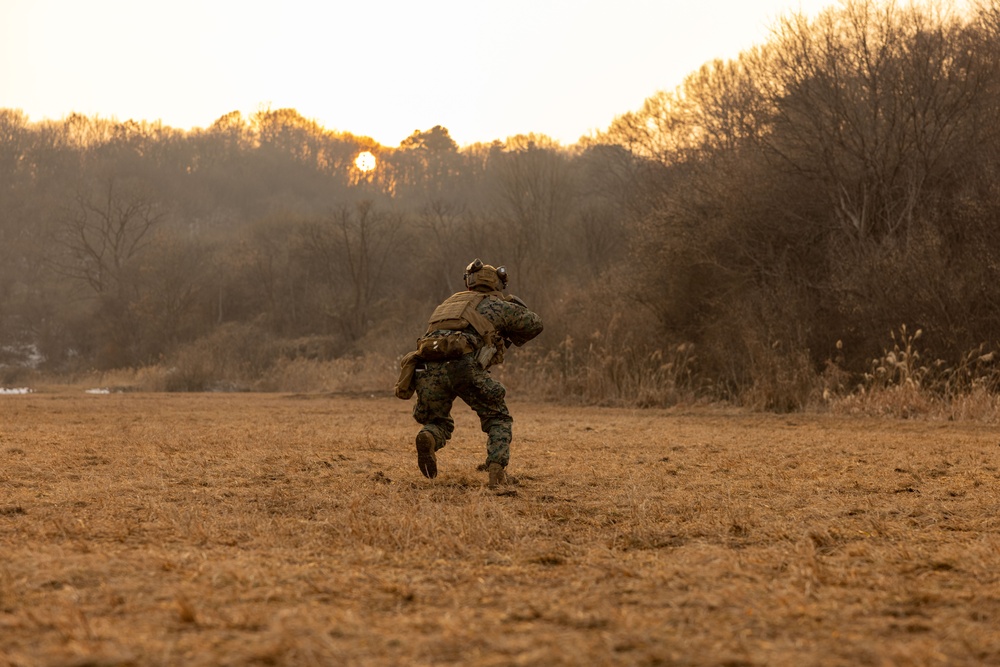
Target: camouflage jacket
(514, 323)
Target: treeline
(808, 200)
(759, 235)
(126, 243)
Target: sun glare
(365, 161)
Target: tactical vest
(457, 313)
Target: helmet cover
(478, 274)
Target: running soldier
(466, 335)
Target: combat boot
(426, 459)
(499, 476)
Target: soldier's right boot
(426, 459)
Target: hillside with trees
(817, 217)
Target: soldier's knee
(498, 429)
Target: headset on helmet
(478, 274)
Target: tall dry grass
(904, 383)
(613, 366)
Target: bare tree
(103, 236)
(872, 101)
(103, 239)
(352, 254)
(531, 205)
(444, 224)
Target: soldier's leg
(433, 410)
(496, 423)
(434, 401)
(486, 396)
(497, 427)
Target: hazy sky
(485, 69)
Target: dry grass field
(267, 529)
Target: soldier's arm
(520, 323)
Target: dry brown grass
(222, 529)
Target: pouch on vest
(407, 383)
(459, 313)
(443, 347)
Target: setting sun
(594, 61)
(365, 161)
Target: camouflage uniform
(438, 383)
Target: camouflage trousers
(440, 382)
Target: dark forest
(817, 218)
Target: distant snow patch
(101, 390)
(15, 390)
(24, 356)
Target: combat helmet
(479, 275)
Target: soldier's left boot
(499, 476)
